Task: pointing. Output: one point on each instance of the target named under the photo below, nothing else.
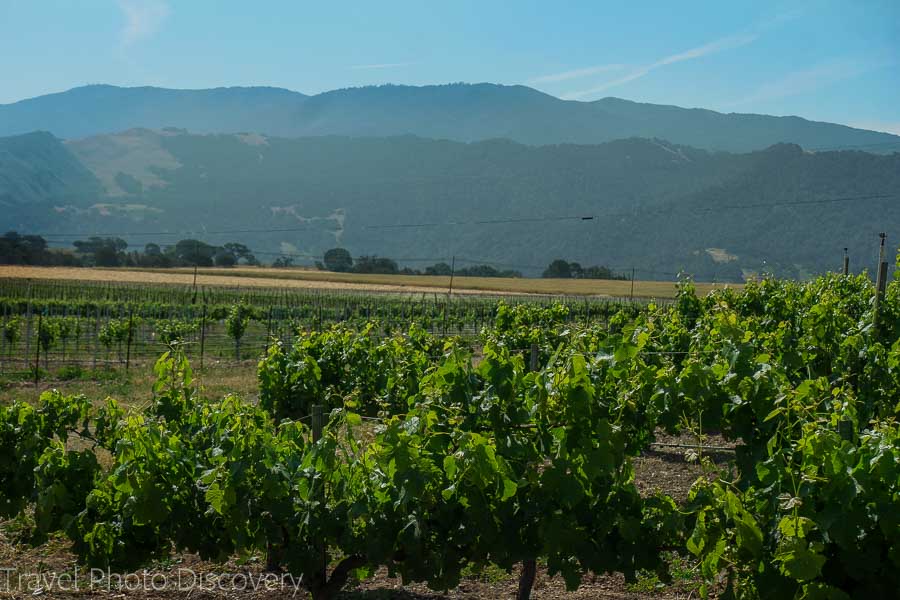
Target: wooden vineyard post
(317, 418)
(37, 353)
(268, 331)
(533, 363)
(452, 271)
(632, 284)
(880, 282)
(96, 338)
(529, 567)
(202, 334)
(3, 337)
(28, 331)
(846, 262)
(130, 338)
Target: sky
(821, 59)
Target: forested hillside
(656, 206)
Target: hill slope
(35, 168)
(658, 207)
(458, 112)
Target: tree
(438, 269)
(558, 269)
(600, 272)
(195, 252)
(338, 260)
(283, 262)
(18, 249)
(241, 252)
(103, 251)
(225, 259)
(374, 264)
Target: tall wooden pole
(880, 281)
(452, 271)
(632, 284)
(318, 424)
(529, 566)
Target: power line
(802, 202)
(496, 221)
(482, 222)
(637, 212)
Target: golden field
(325, 280)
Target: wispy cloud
(143, 18)
(575, 73)
(384, 65)
(719, 45)
(811, 79)
(730, 42)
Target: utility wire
(637, 211)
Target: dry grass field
(310, 279)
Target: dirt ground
(308, 279)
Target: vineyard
(48, 325)
(428, 438)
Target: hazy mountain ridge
(36, 168)
(460, 112)
(658, 206)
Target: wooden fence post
(317, 418)
(96, 338)
(880, 282)
(37, 354)
(27, 333)
(202, 334)
(130, 338)
(529, 566)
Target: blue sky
(820, 59)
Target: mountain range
(656, 206)
(459, 112)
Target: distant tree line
(561, 269)
(340, 260)
(96, 251)
(16, 249)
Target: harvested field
(324, 280)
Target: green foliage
(11, 330)
(346, 367)
(821, 522)
(63, 480)
(47, 334)
(114, 331)
(236, 323)
(174, 331)
(473, 463)
(25, 433)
